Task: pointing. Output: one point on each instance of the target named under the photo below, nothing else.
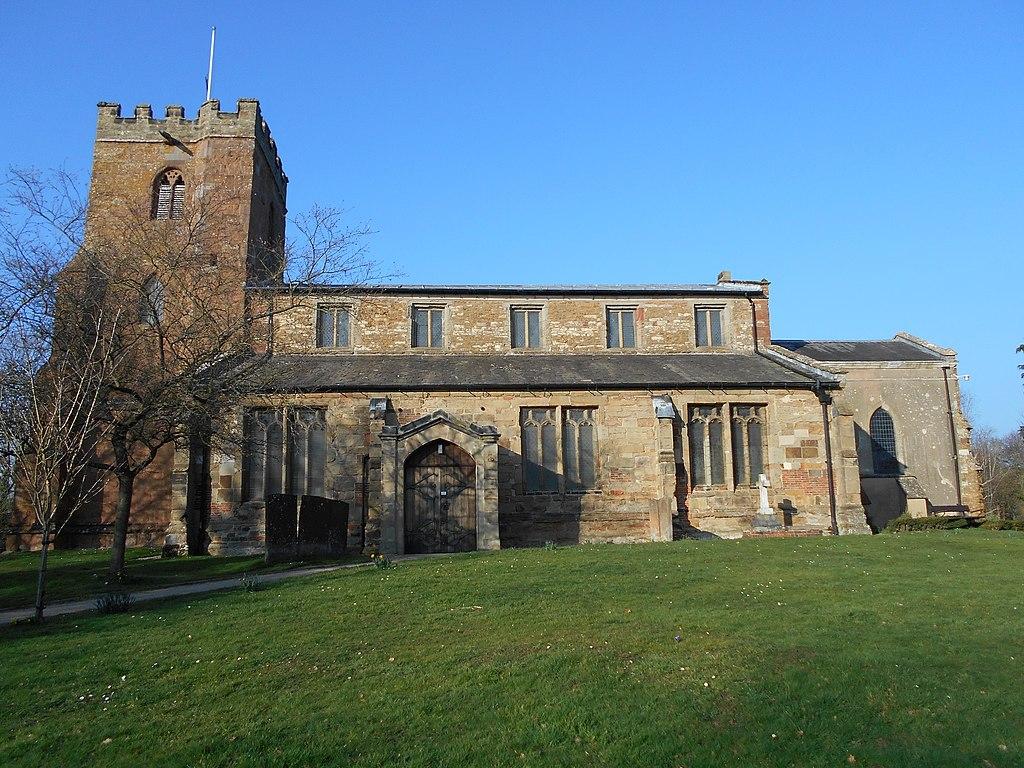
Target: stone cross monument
(765, 518)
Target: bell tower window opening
(151, 303)
(169, 195)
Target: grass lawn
(83, 573)
(895, 650)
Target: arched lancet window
(707, 454)
(285, 452)
(151, 302)
(169, 195)
(307, 451)
(747, 443)
(883, 443)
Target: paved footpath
(69, 607)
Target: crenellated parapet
(174, 127)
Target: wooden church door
(440, 499)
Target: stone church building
(460, 417)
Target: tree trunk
(195, 530)
(41, 582)
(125, 487)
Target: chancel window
(169, 195)
(621, 326)
(707, 453)
(709, 326)
(883, 443)
(333, 327)
(747, 443)
(285, 452)
(526, 327)
(546, 469)
(428, 326)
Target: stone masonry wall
(915, 396)
(481, 325)
(630, 485)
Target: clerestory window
(333, 327)
(428, 326)
(621, 327)
(709, 326)
(526, 327)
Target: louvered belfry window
(169, 198)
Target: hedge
(908, 523)
(998, 524)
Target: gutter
(511, 290)
(535, 387)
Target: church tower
(222, 166)
(159, 167)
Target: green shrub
(251, 582)
(382, 562)
(998, 524)
(115, 602)
(908, 523)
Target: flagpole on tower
(209, 74)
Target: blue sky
(867, 159)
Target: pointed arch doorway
(440, 499)
(466, 469)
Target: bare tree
(47, 410)
(197, 321)
(1001, 461)
(48, 394)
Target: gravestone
(281, 524)
(323, 527)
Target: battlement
(246, 122)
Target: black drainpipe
(825, 400)
(364, 503)
(952, 437)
